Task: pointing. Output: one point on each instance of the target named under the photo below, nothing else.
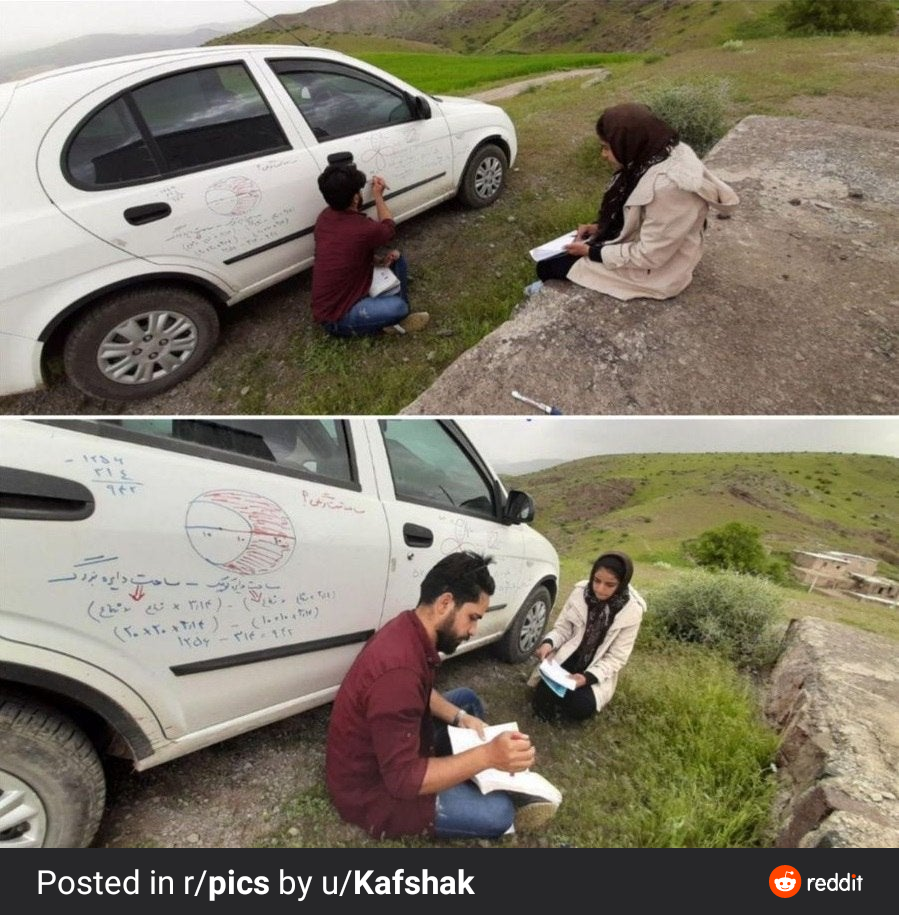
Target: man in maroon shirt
(346, 244)
(380, 766)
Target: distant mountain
(99, 47)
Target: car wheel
(52, 788)
(484, 177)
(524, 634)
(141, 342)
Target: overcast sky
(512, 440)
(29, 24)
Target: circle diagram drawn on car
(240, 531)
(234, 196)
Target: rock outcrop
(834, 698)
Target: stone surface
(794, 308)
(834, 698)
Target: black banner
(248, 881)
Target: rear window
(181, 123)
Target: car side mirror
(422, 108)
(519, 508)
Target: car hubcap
(147, 346)
(23, 820)
(489, 177)
(532, 626)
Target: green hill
(517, 26)
(649, 504)
(653, 502)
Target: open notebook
(527, 782)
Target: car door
(442, 498)
(227, 568)
(351, 111)
(188, 166)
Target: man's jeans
(462, 811)
(373, 313)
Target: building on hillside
(836, 571)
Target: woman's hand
(577, 249)
(579, 679)
(543, 651)
(587, 231)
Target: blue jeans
(462, 811)
(373, 313)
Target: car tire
(52, 786)
(140, 342)
(526, 630)
(485, 176)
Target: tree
(735, 546)
(810, 17)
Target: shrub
(696, 110)
(811, 17)
(733, 44)
(735, 614)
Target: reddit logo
(785, 881)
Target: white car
(166, 584)
(141, 195)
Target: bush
(813, 17)
(735, 614)
(696, 110)
(735, 547)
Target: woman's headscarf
(638, 140)
(600, 614)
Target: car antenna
(283, 28)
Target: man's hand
(511, 751)
(378, 186)
(475, 724)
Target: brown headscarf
(638, 140)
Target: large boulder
(794, 308)
(834, 698)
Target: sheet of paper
(554, 247)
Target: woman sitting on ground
(648, 234)
(592, 640)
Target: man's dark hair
(464, 575)
(340, 183)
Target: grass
(468, 268)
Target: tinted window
(310, 446)
(110, 149)
(336, 104)
(429, 465)
(187, 121)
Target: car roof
(119, 66)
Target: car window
(338, 104)
(309, 446)
(429, 465)
(184, 122)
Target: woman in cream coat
(648, 235)
(592, 639)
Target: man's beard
(447, 640)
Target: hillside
(520, 26)
(649, 504)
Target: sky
(29, 24)
(506, 441)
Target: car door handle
(148, 212)
(416, 535)
(29, 496)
